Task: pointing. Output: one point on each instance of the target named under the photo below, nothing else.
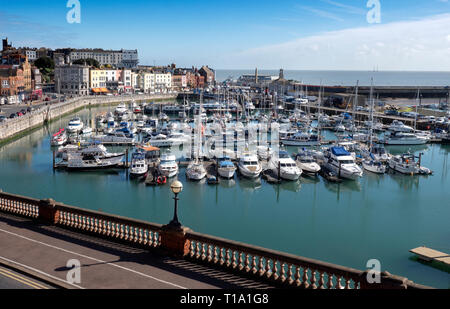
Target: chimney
(256, 75)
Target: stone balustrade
(277, 268)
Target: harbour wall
(14, 127)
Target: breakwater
(34, 119)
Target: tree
(45, 63)
(89, 61)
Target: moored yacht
(283, 165)
(307, 163)
(249, 166)
(59, 138)
(168, 166)
(75, 125)
(342, 163)
(196, 171)
(139, 166)
(226, 168)
(402, 138)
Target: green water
(377, 217)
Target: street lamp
(176, 188)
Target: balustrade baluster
(275, 275)
(347, 283)
(254, 265)
(247, 263)
(330, 281)
(108, 228)
(96, 225)
(298, 281)
(228, 258)
(233, 255)
(221, 257)
(268, 269)
(215, 260)
(313, 279)
(338, 282)
(146, 237)
(203, 252)
(305, 278)
(321, 280)
(140, 235)
(155, 239)
(135, 235)
(241, 260)
(210, 257)
(261, 266)
(283, 272)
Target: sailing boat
(196, 171)
(370, 164)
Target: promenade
(45, 250)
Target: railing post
(48, 212)
(175, 241)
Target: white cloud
(407, 45)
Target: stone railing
(261, 264)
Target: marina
(311, 207)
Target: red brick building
(11, 81)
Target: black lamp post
(176, 188)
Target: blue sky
(243, 34)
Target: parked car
(19, 114)
(47, 99)
(13, 116)
(30, 109)
(391, 113)
(23, 111)
(2, 118)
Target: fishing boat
(168, 166)
(226, 168)
(342, 163)
(249, 166)
(59, 138)
(284, 166)
(138, 166)
(75, 125)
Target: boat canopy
(226, 164)
(340, 151)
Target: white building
(117, 58)
(31, 54)
(130, 59)
(72, 79)
(155, 82)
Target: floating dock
(431, 255)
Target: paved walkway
(45, 250)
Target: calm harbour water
(349, 78)
(377, 217)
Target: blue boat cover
(226, 164)
(340, 151)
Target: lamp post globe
(176, 188)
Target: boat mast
(371, 116)
(417, 107)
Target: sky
(412, 35)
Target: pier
(430, 255)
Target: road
(10, 279)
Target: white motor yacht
(405, 164)
(59, 138)
(249, 166)
(120, 109)
(139, 165)
(75, 125)
(402, 138)
(285, 166)
(307, 163)
(226, 168)
(342, 163)
(398, 126)
(168, 166)
(374, 166)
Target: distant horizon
(398, 36)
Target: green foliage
(89, 61)
(45, 63)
